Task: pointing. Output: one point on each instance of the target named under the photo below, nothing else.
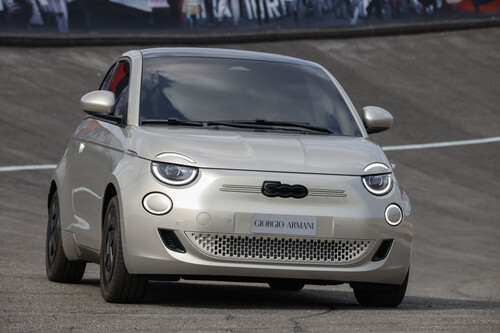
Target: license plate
(284, 224)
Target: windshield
(226, 90)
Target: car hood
(259, 151)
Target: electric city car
(228, 165)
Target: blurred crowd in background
(144, 15)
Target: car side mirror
(376, 119)
(100, 104)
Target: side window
(120, 78)
(117, 81)
(119, 85)
(107, 78)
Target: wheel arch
(52, 190)
(59, 268)
(109, 193)
(67, 238)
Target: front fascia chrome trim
(240, 188)
(327, 193)
(314, 192)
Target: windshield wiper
(286, 124)
(173, 121)
(240, 125)
(251, 124)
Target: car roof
(221, 53)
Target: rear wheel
(387, 296)
(57, 266)
(286, 285)
(117, 285)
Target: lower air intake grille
(171, 241)
(278, 249)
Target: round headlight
(173, 174)
(378, 184)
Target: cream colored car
(227, 165)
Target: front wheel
(387, 296)
(57, 266)
(117, 285)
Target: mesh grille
(276, 249)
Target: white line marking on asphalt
(27, 167)
(442, 144)
(386, 148)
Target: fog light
(393, 215)
(157, 203)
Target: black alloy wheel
(117, 285)
(57, 266)
(53, 232)
(381, 296)
(110, 248)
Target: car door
(100, 146)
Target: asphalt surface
(439, 87)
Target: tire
(388, 296)
(117, 285)
(57, 266)
(286, 285)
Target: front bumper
(214, 227)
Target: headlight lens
(378, 184)
(173, 174)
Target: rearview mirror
(376, 119)
(100, 104)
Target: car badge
(274, 189)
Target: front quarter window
(117, 81)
